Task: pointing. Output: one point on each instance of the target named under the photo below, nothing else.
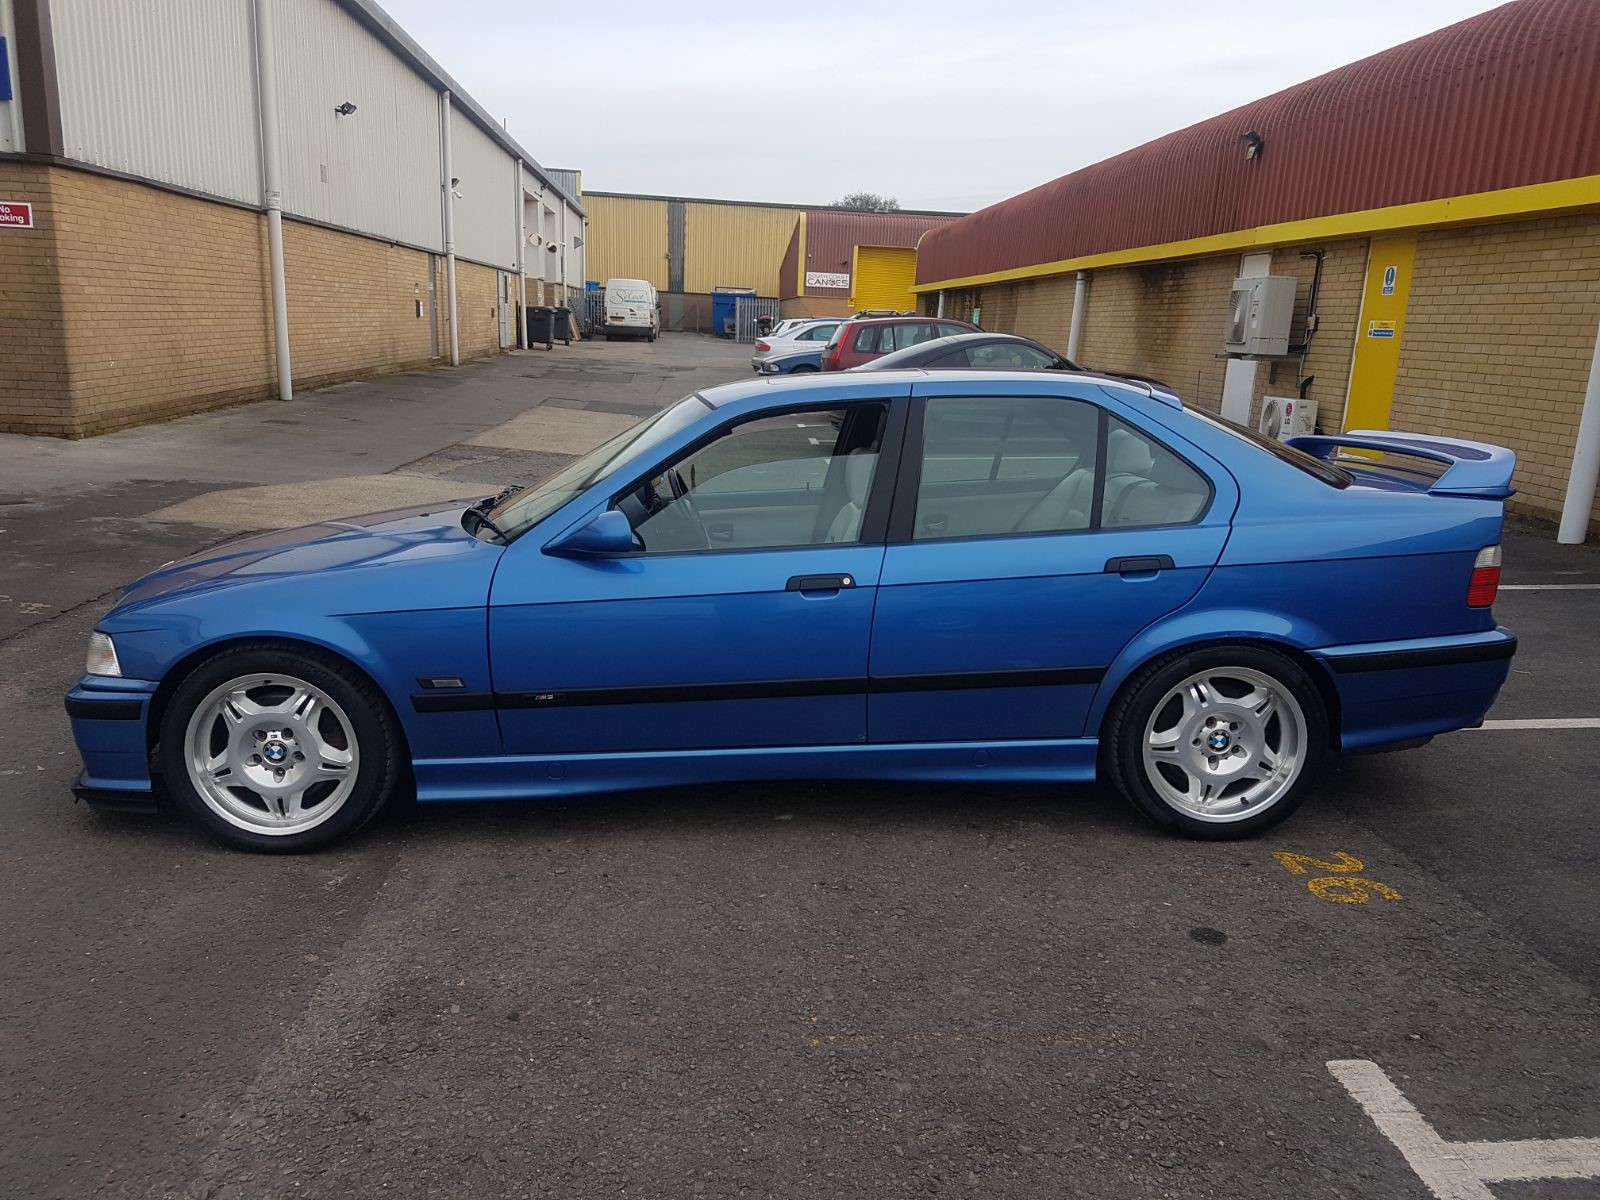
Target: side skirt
(536, 776)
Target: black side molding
(967, 680)
(104, 710)
(1432, 656)
(444, 701)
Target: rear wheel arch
(1315, 670)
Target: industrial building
(210, 201)
(820, 262)
(1433, 211)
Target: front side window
(787, 479)
(820, 333)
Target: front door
(743, 621)
(1040, 534)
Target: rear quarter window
(1315, 467)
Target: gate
(746, 310)
(593, 314)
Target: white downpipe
(447, 177)
(1080, 291)
(1579, 501)
(940, 311)
(272, 192)
(522, 267)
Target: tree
(870, 201)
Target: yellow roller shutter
(883, 277)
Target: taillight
(1485, 582)
(762, 347)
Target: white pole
(272, 192)
(1075, 330)
(522, 267)
(940, 311)
(448, 180)
(1585, 474)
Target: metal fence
(747, 311)
(592, 314)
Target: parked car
(792, 362)
(788, 324)
(856, 342)
(804, 337)
(991, 351)
(632, 308)
(1015, 576)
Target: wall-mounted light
(344, 110)
(1253, 144)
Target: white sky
(944, 104)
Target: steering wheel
(685, 501)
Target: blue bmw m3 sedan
(900, 575)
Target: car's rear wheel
(1218, 742)
(273, 749)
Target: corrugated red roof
(832, 233)
(1507, 98)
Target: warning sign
(15, 214)
(1381, 329)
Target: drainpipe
(940, 311)
(449, 181)
(522, 267)
(1075, 330)
(1581, 482)
(272, 192)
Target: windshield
(531, 505)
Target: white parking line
(1459, 1170)
(1550, 587)
(1547, 723)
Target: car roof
(836, 381)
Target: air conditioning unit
(1284, 417)
(1260, 310)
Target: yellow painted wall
(735, 245)
(628, 239)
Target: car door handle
(1141, 564)
(820, 583)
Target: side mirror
(606, 535)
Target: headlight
(102, 658)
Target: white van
(631, 309)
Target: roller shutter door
(883, 277)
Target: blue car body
(515, 671)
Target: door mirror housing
(605, 535)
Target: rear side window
(999, 466)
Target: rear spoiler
(1471, 468)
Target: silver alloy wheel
(272, 754)
(1225, 744)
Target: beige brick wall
(352, 305)
(127, 303)
(1499, 335)
(33, 368)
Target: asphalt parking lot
(788, 991)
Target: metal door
(433, 304)
(508, 334)
(746, 310)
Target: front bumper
(1392, 692)
(110, 721)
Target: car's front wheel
(273, 749)
(1218, 742)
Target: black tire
(1123, 736)
(381, 745)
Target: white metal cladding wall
(10, 110)
(375, 171)
(162, 89)
(486, 217)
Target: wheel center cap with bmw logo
(275, 752)
(1218, 741)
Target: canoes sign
(15, 214)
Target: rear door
(1036, 529)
